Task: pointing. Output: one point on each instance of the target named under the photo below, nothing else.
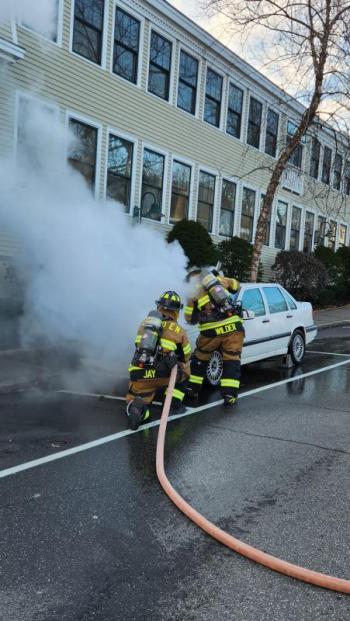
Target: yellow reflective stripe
(187, 349)
(205, 299)
(196, 379)
(165, 296)
(138, 338)
(168, 344)
(235, 283)
(230, 383)
(146, 415)
(188, 310)
(218, 324)
(132, 368)
(178, 394)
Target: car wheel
(297, 347)
(214, 369)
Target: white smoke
(90, 276)
(39, 15)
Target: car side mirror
(248, 314)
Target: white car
(275, 324)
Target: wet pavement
(92, 535)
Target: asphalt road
(91, 536)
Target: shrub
(235, 255)
(301, 274)
(337, 265)
(195, 241)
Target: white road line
(328, 353)
(127, 432)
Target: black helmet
(170, 300)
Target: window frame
(311, 211)
(329, 182)
(267, 241)
(185, 162)
(59, 30)
(300, 208)
(314, 140)
(130, 138)
(165, 154)
(264, 302)
(270, 108)
(222, 96)
(346, 178)
(165, 35)
(104, 40)
(323, 238)
(19, 94)
(285, 202)
(251, 188)
(335, 171)
(346, 225)
(70, 114)
(141, 20)
(233, 180)
(183, 48)
(275, 286)
(251, 96)
(234, 83)
(334, 245)
(214, 174)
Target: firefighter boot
(176, 407)
(229, 400)
(137, 413)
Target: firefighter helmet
(170, 300)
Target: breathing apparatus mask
(148, 346)
(222, 299)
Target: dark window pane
(342, 235)
(228, 199)
(281, 224)
(326, 166)
(187, 89)
(88, 29)
(308, 232)
(295, 229)
(152, 185)
(315, 158)
(180, 191)
(119, 170)
(206, 193)
(268, 223)
(212, 104)
(254, 123)
(252, 300)
(159, 66)
(271, 132)
(247, 214)
(82, 155)
(297, 155)
(338, 164)
(234, 111)
(126, 45)
(332, 234)
(275, 300)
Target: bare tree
(311, 40)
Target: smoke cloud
(39, 15)
(89, 275)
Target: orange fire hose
(272, 562)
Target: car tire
(296, 347)
(214, 369)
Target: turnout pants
(146, 387)
(230, 347)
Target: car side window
(275, 299)
(253, 300)
(292, 305)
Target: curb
(334, 324)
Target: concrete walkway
(336, 316)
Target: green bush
(235, 255)
(337, 265)
(195, 241)
(301, 274)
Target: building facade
(173, 125)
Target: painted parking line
(328, 353)
(128, 432)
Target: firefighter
(161, 343)
(220, 321)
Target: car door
(280, 325)
(257, 331)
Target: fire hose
(272, 562)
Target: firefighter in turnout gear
(221, 329)
(161, 343)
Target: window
(126, 45)
(28, 148)
(82, 154)
(227, 211)
(268, 222)
(206, 194)
(326, 166)
(308, 232)
(275, 299)
(50, 32)
(297, 156)
(342, 235)
(180, 191)
(338, 165)
(212, 105)
(234, 111)
(119, 170)
(295, 229)
(292, 305)
(88, 29)
(152, 185)
(321, 230)
(332, 234)
(159, 66)
(281, 225)
(347, 179)
(315, 158)
(254, 123)
(247, 214)
(271, 133)
(253, 300)
(187, 89)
